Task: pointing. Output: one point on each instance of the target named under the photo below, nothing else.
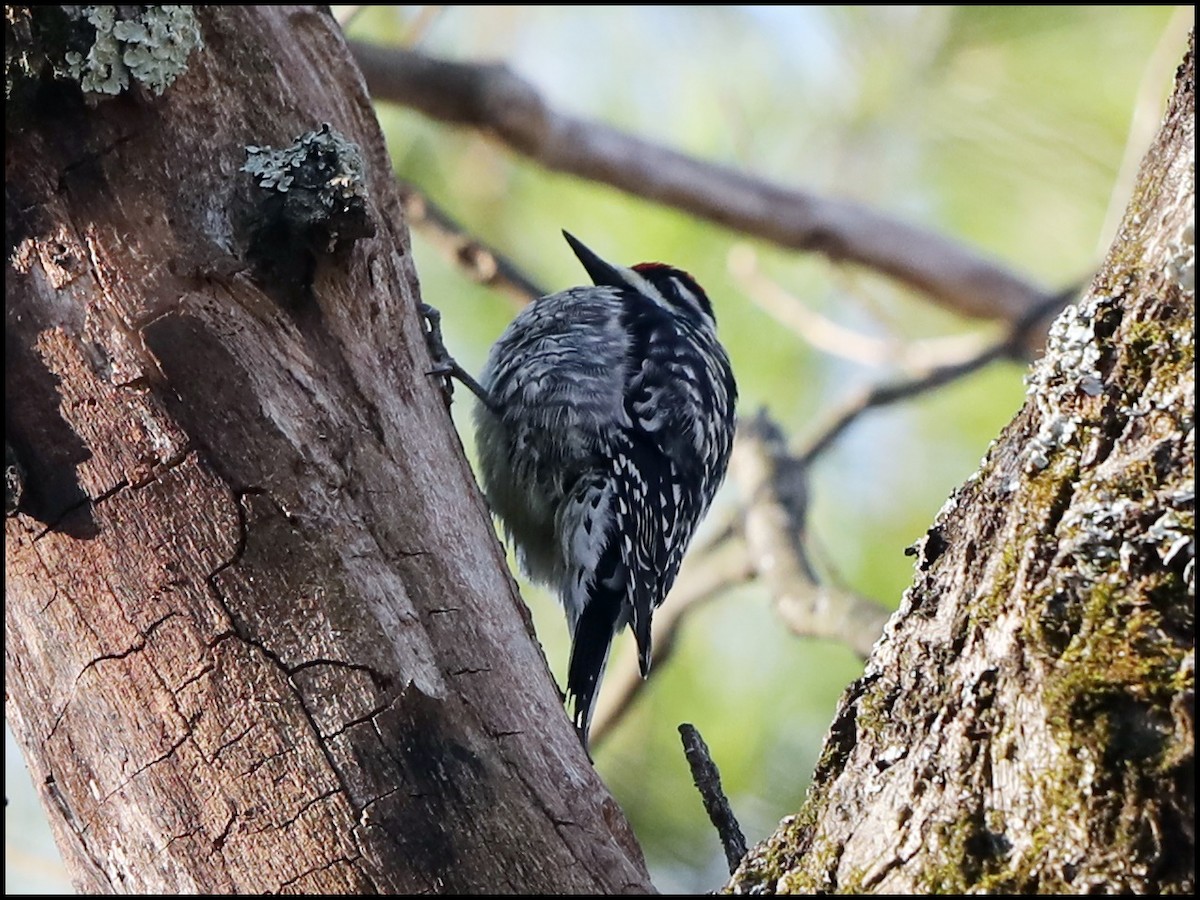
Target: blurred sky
(1013, 129)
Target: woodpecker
(604, 427)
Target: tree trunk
(1026, 723)
(260, 634)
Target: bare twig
(708, 782)
(829, 337)
(1013, 345)
(883, 394)
(492, 98)
(773, 483)
(481, 263)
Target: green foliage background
(1008, 128)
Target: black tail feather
(641, 633)
(589, 654)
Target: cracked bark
(250, 559)
(1026, 723)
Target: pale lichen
(150, 45)
(324, 162)
(1069, 369)
(14, 481)
(1181, 267)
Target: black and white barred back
(608, 433)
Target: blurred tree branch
(774, 485)
(491, 98)
(835, 339)
(939, 374)
(480, 263)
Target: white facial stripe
(643, 286)
(690, 299)
(686, 295)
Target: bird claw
(444, 365)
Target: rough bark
(260, 634)
(1026, 723)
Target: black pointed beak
(600, 271)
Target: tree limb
(1011, 346)
(478, 261)
(773, 483)
(490, 97)
(259, 633)
(834, 339)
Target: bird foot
(444, 365)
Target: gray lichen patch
(1070, 369)
(1118, 538)
(148, 44)
(322, 169)
(315, 205)
(1181, 266)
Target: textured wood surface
(260, 634)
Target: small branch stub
(716, 804)
(315, 205)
